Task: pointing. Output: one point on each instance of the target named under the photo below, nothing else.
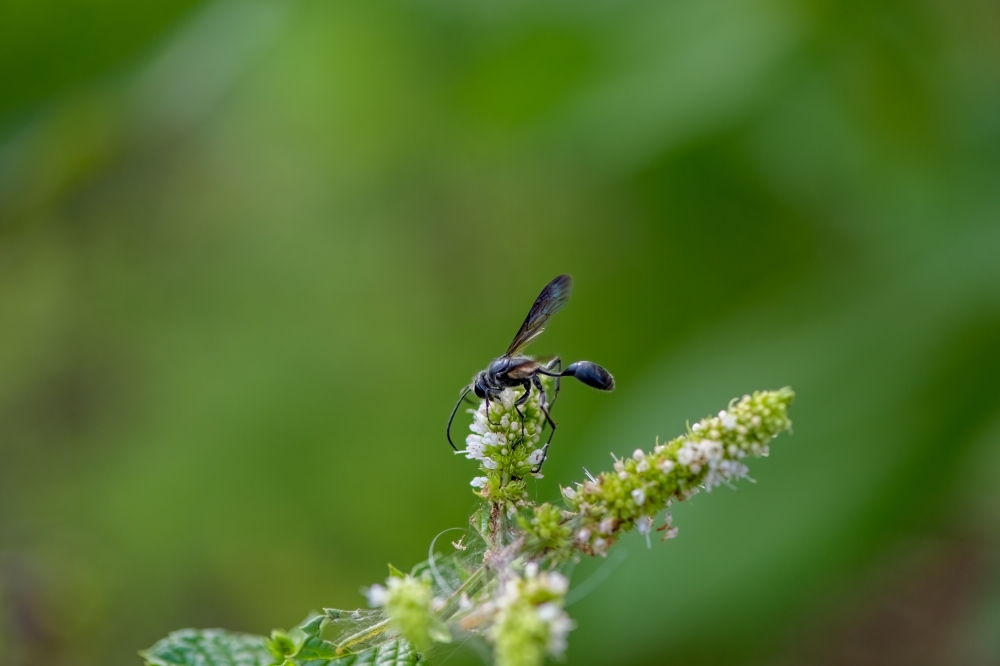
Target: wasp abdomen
(591, 374)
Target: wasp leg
(488, 412)
(520, 403)
(543, 403)
(555, 363)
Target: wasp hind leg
(553, 369)
(543, 403)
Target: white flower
(639, 496)
(583, 536)
(557, 583)
(728, 420)
(559, 626)
(644, 524)
(607, 526)
(489, 463)
(569, 493)
(709, 450)
(638, 455)
(474, 447)
(687, 454)
(377, 595)
(548, 611)
(666, 466)
(670, 533)
(531, 569)
(600, 546)
(696, 427)
(536, 457)
(642, 467)
(479, 482)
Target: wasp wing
(552, 299)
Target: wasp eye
(480, 393)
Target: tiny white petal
(639, 496)
(377, 595)
(478, 482)
(548, 611)
(644, 524)
(558, 583)
(489, 463)
(638, 454)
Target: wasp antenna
(447, 430)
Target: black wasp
(515, 369)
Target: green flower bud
(408, 602)
(530, 621)
(547, 532)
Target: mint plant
(505, 584)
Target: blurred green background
(250, 251)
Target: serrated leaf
(209, 647)
(396, 653)
(377, 648)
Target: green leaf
(209, 647)
(361, 631)
(394, 653)
(215, 647)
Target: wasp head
(480, 385)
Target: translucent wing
(553, 297)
